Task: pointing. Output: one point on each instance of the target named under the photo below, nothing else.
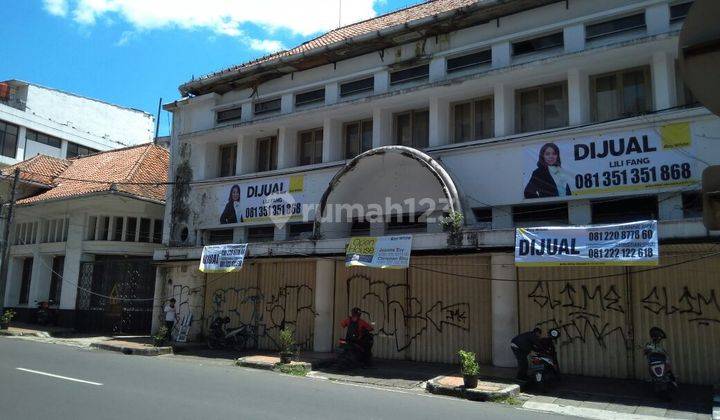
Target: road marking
(59, 377)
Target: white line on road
(59, 377)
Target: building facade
(451, 108)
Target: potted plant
(287, 345)
(5, 319)
(160, 336)
(453, 224)
(469, 369)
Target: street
(102, 385)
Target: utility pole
(6, 240)
(157, 122)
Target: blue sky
(133, 52)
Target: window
(266, 107)
(625, 210)
(58, 265)
(43, 138)
(542, 107)
(357, 86)
(229, 114)
(267, 154)
(25, 280)
(473, 120)
(311, 146)
(261, 233)
(620, 94)
(228, 157)
(615, 26)
(157, 231)
(483, 215)
(537, 44)
(360, 227)
(104, 228)
(92, 225)
(76, 150)
(131, 229)
(692, 204)
(310, 97)
(406, 223)
(680, 11)
(220, 236)
(358, 137)
(8, 139)
(412, 128)
(144, 235)
(469, 60)
(118, 230)
(540, 214)
(300, 230)
(410, 74)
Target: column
(287, 148)
(73, 257)
(670, 206)
(324, 278)
(197, 160)
(382, 128)
(331, 93)
(239, 235)
(40, 278)
(657, 19)
(246, 155)
(504, 104)
(382, 81)
(574, 38)
(246, 113)
(502, 217)
(63, 149)
(579, 212)
(438, 70)
(158, 298)
(439, 121)
(14, 277)
(22, 144)
(332, 140)
(663, 80)
(501, 54)
(504, 308)
(287, 103)
(377, 227)
(578, 97)
(280, 233)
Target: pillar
(332, 140)
(439, 121)
(287, 148)
(281, 232)
(579, 212)
(287, 103)
(158, 299)
(22, 144)
(246, 155)
(501, 55)
(663, 80)
(246, 112)
(438, 70)
(73, 257)
(332, 92)
(502, 217)
(382, 128)
(504, 103)
(40, 278)
(657, 19)
(670, 206)
(574, 38)
(504, 308)
(324, 287)
(578, 97)
(198, 159)
(382, 81)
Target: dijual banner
(222, 258)
(261, 201)
(379, 251)
(634, 243)
(622, 161)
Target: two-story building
(512, 114)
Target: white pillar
(287, 148)
(287, 103)
(439, 121)
(63, 149)
(158, 298)
(73, 256)
(239, 235)
(382, 81)
(574, 37)
(12, 287)
(332, 92)
(438, 71)
(332, 140)
(578, 97)
(280, 233)
(657, 19)
(501, 54)
(502, 217)
(670, 206)
(504, 308)
(579, 212)
(40, 278)
(382, 128)
(663, 80)
(22, 144)
(246, 112)
(198, 159)
(246, 155)
(324, 278)
(504, 104)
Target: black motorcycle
(543, 364)
(661, 374)
(354, 354)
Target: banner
(222, 258)
(379, 251)
(276, 200)
(634, 243)
(624, 161)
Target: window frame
(519, 212)
(677, 6)
(474, 64)
(473, 114)
(77, 153)
(235, 112)
(233, 168)
(356, 91)
(222, 236)
(252, 236)
(616, 31)
(541, 98)
(413, 112)
(267, 110)
(361, 129)
(316, 136)
(48, 140)
(271, 164)
(4, 138)
(534, 39)
(619, 92)
(626, 209)
(409, 69)
(311, 100)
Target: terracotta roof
(114, 170)
(40, 169)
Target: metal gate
(115, 296)
(605, 321)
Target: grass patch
(510, 400)
(295, 370)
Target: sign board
(222, 258)
(278, 199)
(654, 157)
(379, 251)
(634, 243)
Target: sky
(134, 52)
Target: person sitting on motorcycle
(521, 347)
(657, 335)
(359, 334)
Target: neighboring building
(85, 228)
(40, 120)
(447, 105)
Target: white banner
(277, 200)
(379, 251)
(634, 243)
(655, 157)
(222, 258)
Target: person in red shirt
(359, 333)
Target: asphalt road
(124, 387)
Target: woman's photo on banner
(549, 179)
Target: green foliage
(452, 224)
(160, 336)
(287, 341)
(469, 364)
(507, 400)
(291, 369)
(7, 316)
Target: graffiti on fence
(399, 314)
(698, 307)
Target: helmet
(656, 333)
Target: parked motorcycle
(661, 375)
(352, 355)
(239, 339)
(45, 315)
(543, 364)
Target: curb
(265, 365)
(716, 402)
(475, 394)
(150, 351)
(8, 333)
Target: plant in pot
(5, 319)
(287, 345)
(160, 336)
(470, 368)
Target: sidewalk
(141, 345)
(19, 329)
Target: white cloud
(265, 45)
(56, 7)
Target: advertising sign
(379, 251)
(222, 258)
(624, 161)
(279, 199)
(625, 244)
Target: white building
(473, 90)
(39, 120)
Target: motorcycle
(542, 364)
(44, 314)
(661, 375)
(352, 355)
(239, 339)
